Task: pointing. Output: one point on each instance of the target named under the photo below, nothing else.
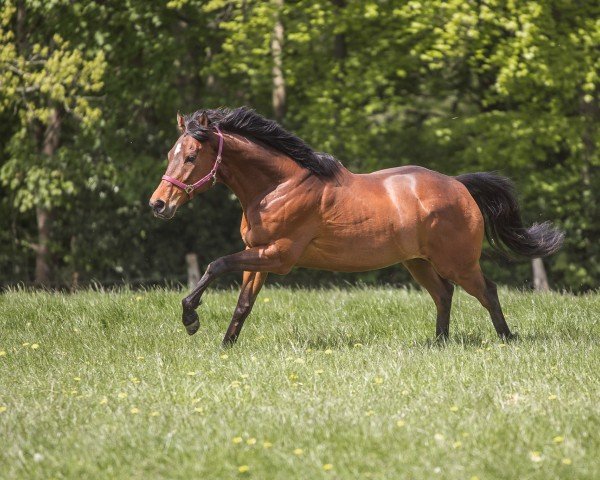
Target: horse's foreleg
(271, 258)
(440, 289)
(251, 284)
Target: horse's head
(191, 166)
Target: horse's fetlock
(187, 304)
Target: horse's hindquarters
(391, 216)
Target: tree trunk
(21, 36)
(43, 268)
(339, 39)
(540, 279)
(279, 105)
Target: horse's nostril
(158, 206)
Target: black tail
(496, 198)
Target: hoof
(511, 337)
(228, 342)
(191, 321)
(442, 337)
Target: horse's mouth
(164, 215)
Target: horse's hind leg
(440, 289)
(475, 283)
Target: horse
(302, 208)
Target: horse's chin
(165, 215)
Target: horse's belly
(356, 253)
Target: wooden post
(193, 272)
(540, 279)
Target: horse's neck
(251, 170)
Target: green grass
(331, 372)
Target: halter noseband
(210, 176)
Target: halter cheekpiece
(210, 176)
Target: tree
(49, 83)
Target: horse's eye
(190, 158)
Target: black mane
(247, 122)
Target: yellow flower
(454, 408)
(439, 437)
(457, 444)
(135, 410)
(267, 444)
(104, 401)
(404, 392)
(2, 353)
(552, 397)
(298, 451)
(328, 351)
(198, 409)
(266, 300)
(35, 346)
(368, 413)
(357, 345)
(237, 440)
(535, 456)
(400, 423)
(191, 374)
(308, 350)
(77, 379)
(154, 414)
(3, 408)
(299, 360)
(474, 477)
(122, 395)
(378, 380)
(327, 467)
(135, 380)
(140, 357)
(558, 439)
(25, 344)
(244, 375)
(243, 468)
(224, 356)
(251, 441)
(319, 371)
(567, 461)
(138, 298)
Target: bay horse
(303, 208)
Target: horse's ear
(203, 119)
(180, 122)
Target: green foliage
(452, 85)
(43, 75)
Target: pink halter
(210, 176)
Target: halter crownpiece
(210, 176)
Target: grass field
(322, 384)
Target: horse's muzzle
(160, 209)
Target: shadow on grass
(470, 340)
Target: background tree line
(89, 92)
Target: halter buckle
(189, 189)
